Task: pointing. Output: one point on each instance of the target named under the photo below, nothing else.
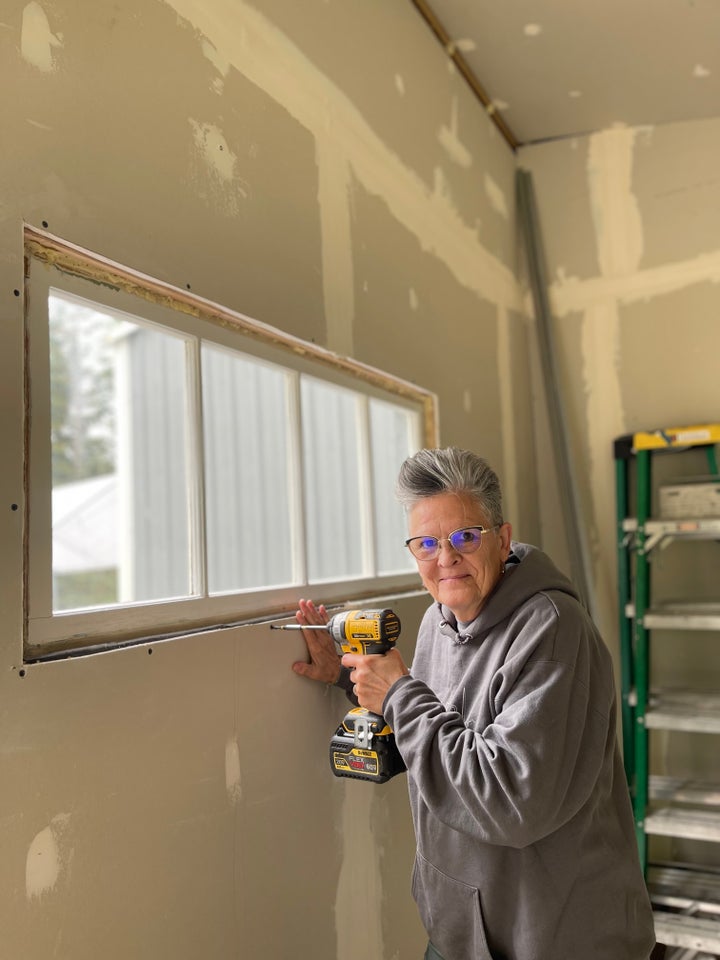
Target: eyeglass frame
(440, 540)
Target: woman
(507, 725)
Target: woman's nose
(447, 554)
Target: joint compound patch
(47, 857)
(221, 163)
(233, 783)
(37, 39)
(615, 210)
(450, 141)
(496, 197)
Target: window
(188, 467)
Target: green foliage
(82, 351)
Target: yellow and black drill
(363, 746)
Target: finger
(309, 613)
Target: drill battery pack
(364, 748)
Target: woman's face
(463, 582)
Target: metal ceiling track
(430, 17)
(575, 528)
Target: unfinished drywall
(633, 257)
(636, 334)
(174, 799)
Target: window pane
(333, 514)
(120, 495)
(393, 438)
(247, 469)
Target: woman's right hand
(324, 662)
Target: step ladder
(685, 896)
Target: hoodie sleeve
(519, 777)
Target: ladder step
(693, 933)
(690, 890)
(682, 616)
(678, 790)
(682, 710)
(688, 823)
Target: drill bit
(299, 626)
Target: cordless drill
(363, 746)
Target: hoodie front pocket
(450, 912)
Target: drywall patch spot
(466, 45)
(441, 191)
(221, 163)
(532, 29)
(449, 139)
(467, 401)
(414, 302)
(37, 39)
(215, 150)
(496, 197)
(233, 779)
(45, 858)
(700, 72)
(400, 84)
(221, 64)
(575, 94)
(615, 210)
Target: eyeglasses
(466, 540)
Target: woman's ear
(505, 534)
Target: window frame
(47, 633)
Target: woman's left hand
(372, 676)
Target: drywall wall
(321, 168)
(633, 269)
(628, 219)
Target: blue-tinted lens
(467, 540)
(423, 547)
(427, 544)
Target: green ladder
(686, 899)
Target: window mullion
(196, 470)
(367, 499)
(296, 481)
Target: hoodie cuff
(343, 681)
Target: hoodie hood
(528, 571)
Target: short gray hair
(450, 470)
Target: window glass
(119, 487)
(247, 472)
(335, 537)
(393, 437)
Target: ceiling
(557, 68)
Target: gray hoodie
(525, 840)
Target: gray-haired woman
(507, 725)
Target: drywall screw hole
(45, 223)
(21, 673)
(187, 286)
(149, 650)
(16, 292)
(13, 506)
